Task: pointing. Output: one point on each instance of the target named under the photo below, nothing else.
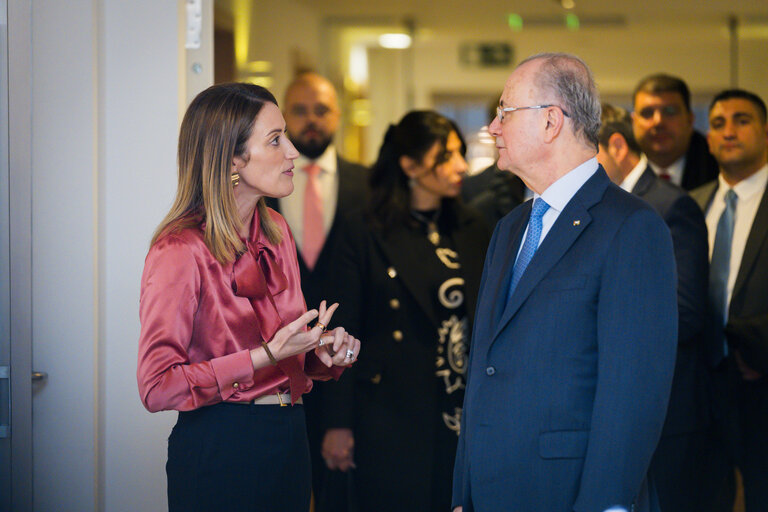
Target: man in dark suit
(326, 187)
(663, 125)
(679, 466)
(736, 209)
(573, 347)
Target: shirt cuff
(234, 373)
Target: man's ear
(618, 147)
(554, 120)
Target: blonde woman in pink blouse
(224, 328)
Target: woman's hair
(215, 129)
(413, 137)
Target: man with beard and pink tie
(326, 188)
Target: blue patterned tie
(720, 265)
(531, 242)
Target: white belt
(281, 399)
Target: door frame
(20, 243)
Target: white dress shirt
(560, 193)
(634, 175)
(749, 193)
(675, 170)
(292, 206)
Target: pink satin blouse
(199, 320)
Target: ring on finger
(321, 326)
(350, 353)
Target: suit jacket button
(391, 272)
(394, 304)
(490, 370)
(397, 336)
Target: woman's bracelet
(272, 359)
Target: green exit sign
(486, 55)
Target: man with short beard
(326, 189)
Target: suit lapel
(645, 182)
(757, 236)
(471, 260)
(704, 195)
(570, 224)
(503, 266)
(395, 248)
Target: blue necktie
(531, 243)
(720, 265)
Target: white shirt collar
(562, 191)
(634, 175)
(675, 170)
(747, 188)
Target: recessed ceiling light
(395, 41)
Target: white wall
(619, 57)
(139, 127)
(105, 102)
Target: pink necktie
(314, 232)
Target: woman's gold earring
(235, 179)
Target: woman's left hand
(336, 347)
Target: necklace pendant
(432, 234)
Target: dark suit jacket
(700, 166)
(569, 380)
(687, 410)
(316, 284)
(389, 398)
(494, 193)
(747, 326)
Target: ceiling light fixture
(395, 41)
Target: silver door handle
(5, 428)
(38, 376)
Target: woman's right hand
(294, 339)
(338, 448)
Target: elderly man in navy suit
(573, 348)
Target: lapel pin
(576, 222)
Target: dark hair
(617, 120)
(215, 129)
(661, 82)
(753, 98)
(413, 137)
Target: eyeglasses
(500, 110)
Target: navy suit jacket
(687, 410)
(569, 380)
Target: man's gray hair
(570, 80)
